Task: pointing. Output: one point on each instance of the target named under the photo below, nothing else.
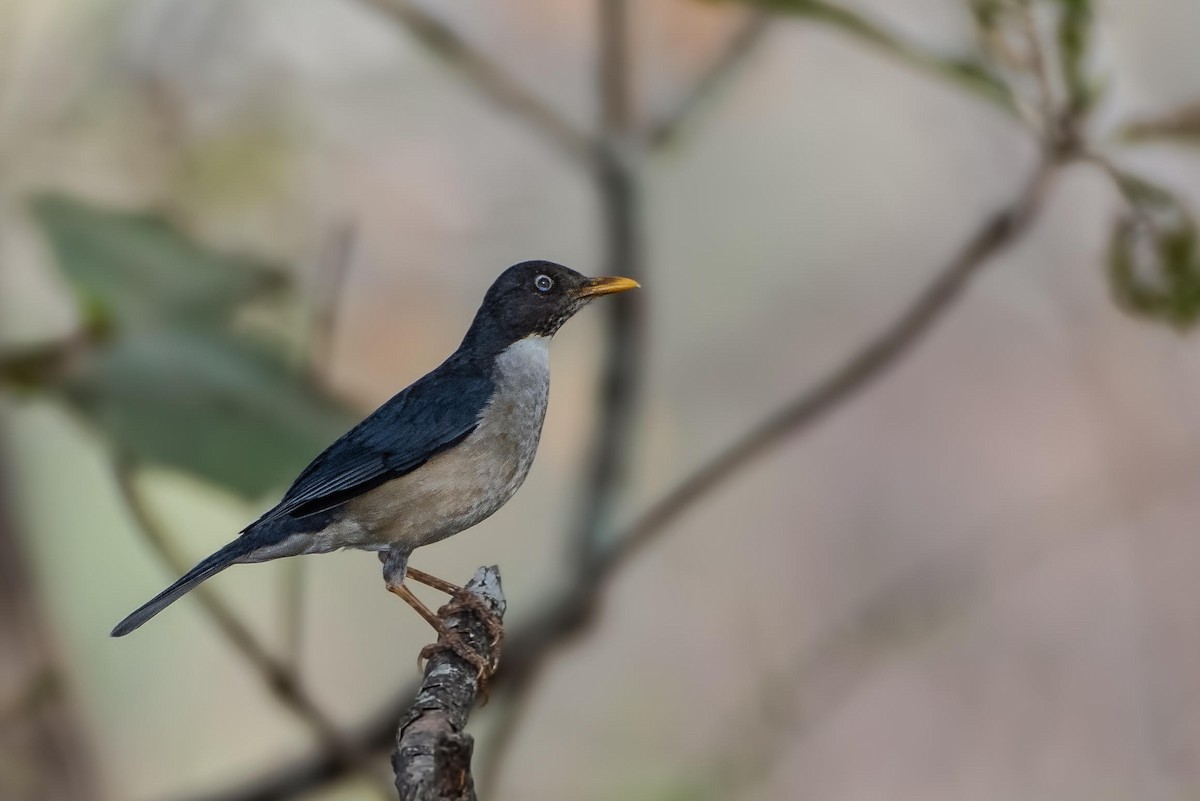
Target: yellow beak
(595, 287)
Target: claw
(467, 601)
(448, 639)
(453, 643)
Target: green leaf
(217, 407)
(170, 382)
(1154, 264)
(143, 271)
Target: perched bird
(439, 457)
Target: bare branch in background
(329, 288)
(1039, 66)
(615, 160)
(44, 751)
(617, 166)
(923, 602)
(967, 74)
(277, 676)
(1179, 125)
(432, 760)
(34, 367)
(718, 74)
(572, 611)
(568, 614)
(489, 77)
(502, 736)
(616, 172)
(329, 285)
(999, 232)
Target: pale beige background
(1029, 476)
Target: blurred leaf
(967, 72)
(170, 383)
(1182, 125)
(143, 271)
(214, 406)
(1154, 266)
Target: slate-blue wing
(433, 414)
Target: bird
(437, 458)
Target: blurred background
(229, 228)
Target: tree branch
(970, 75)
(568, 614)
(45, 751)
(616, 171)
(278, 677)
(719, 73)
(432, 759)
(488, 77)
(315, 357)
(866, 365)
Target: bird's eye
(543, 283)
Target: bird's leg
(394, 569)
(433, 581)
(464, 600)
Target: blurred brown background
(973, 580)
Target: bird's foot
(461, 600)
(466, 601)
(433, 581)
(448, 640)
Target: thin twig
(45, 750)
(489, 77)
(615, 71)
(329, 285)
(568, 614)
(865, 366)
(502, 736)
(942, 590)
(871, 362)
(1181, 125)
(1040, 66)
(281, 681)
(741, 45)
(969, 75)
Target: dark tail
(205, 570)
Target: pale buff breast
(462, 486)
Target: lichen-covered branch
(278, 677)
(432, 760)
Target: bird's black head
(534, 298)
